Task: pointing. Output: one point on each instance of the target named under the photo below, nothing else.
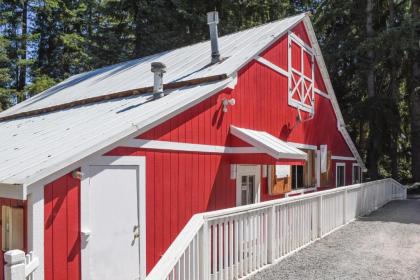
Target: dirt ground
(383, 245)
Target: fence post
(320, 221)
(271, 227)
(205, 253)
(14, 268)
(345, 207)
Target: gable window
(340, 174)
(356, 174)
(301, 74)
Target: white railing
(234, 243)
(19, 266)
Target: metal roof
(182, 64)
(33, 148)
(268, 143)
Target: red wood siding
(180, 184)
(62, 229)
(12, 203)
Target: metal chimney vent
(212, 21)
(158, 68)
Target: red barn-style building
(99, 173)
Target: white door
(111, 227)
(247, 184)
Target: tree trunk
(23, 45)
(415, 97)
(370, 79)
(394, 95)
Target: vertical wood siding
(62, 229)
(180, 184)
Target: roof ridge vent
(212, 21)
(158, 68)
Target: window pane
(300, 176)
(340, 176)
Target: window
(340, 174)
(284, 178)
(301, 71)
(356, 177)
(297, 177)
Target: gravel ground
(384, 245)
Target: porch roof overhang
(269, 144)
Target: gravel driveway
(384, 245)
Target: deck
(383, 245)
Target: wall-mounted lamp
(227, 102)
(77, 174)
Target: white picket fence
(234, 243)
(19, 266)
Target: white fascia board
(265, 147)
(303, 146)
(321, 93)
(326, 77)
(75, 161)
(13, 191)
(343, 158)
(237, 66)
(188, 147)
(272, 66)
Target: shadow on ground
(398, 211)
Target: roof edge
(330, 90)
(69, 164)
(13, 191)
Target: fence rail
(233, 243)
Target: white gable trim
(272, 66)
(321, 93)
(324, 73)
(343, 158)
(188, 147)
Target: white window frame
(301, 105)
(358, 171)
(337, 165)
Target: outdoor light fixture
(77, 174)
(227, 102)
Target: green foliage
(39, 84)
(66, 37)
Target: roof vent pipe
(212, 21)
(158, 68)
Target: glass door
(247, 189)
(247, 184)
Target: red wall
(180, 184)
(62, 229)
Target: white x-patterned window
(301, 74)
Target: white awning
(268, 144)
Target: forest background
(371, 47)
